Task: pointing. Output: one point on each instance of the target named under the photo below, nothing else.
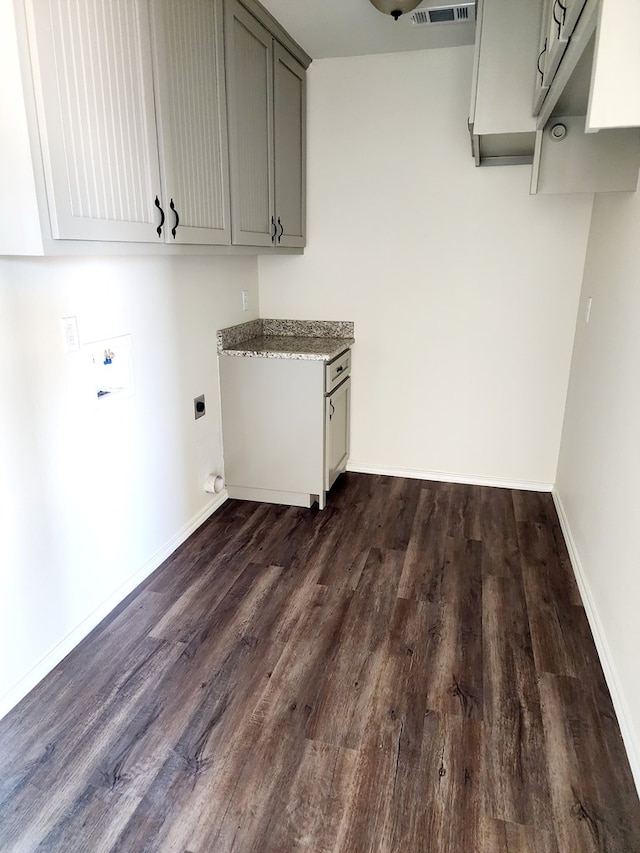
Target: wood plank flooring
(408, 671)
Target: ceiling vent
(444, 14)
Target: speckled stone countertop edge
(294, 339)
(290, 347)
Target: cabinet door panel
(508, 39)
(541, 85)
(290, 147)
(272, 423)
(573, 10)
(250, 91)
(191, 109)
(337, 430)
(97, 119)
(556, 41)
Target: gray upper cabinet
(132, 119)
(192, 122)
(567, 157)
(266, 90)
(559, 19)
(133, 136)
(563, 50)
(249, 62)
(501, 125)
(290, 146)
(94, 89)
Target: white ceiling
(326, 28)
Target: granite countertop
(319, 340)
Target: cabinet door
(191, 109)
(542, 84)
(249, 65)
(337, 430)
(556, 40)
(508, 39)
(290, 109)
(93, 72)
(571, 13)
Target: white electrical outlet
(70, 334)
(587, 315)
(245, 300)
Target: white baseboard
(71, 640)
(444, 477)
(625, 721)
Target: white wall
(93, 496)
(463, 288)
(599, 467)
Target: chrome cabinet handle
(175, 213)
(159, 228)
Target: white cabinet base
(284, 441)
(272, 496)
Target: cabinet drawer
(337, 370)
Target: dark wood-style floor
(409, 670)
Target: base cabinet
(285, 431)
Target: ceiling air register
(444, 14)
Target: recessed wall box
(199, 408)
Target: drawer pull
(339, 369)
(542, 53)
(563, 12)
(175, 213)
(159, 228)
